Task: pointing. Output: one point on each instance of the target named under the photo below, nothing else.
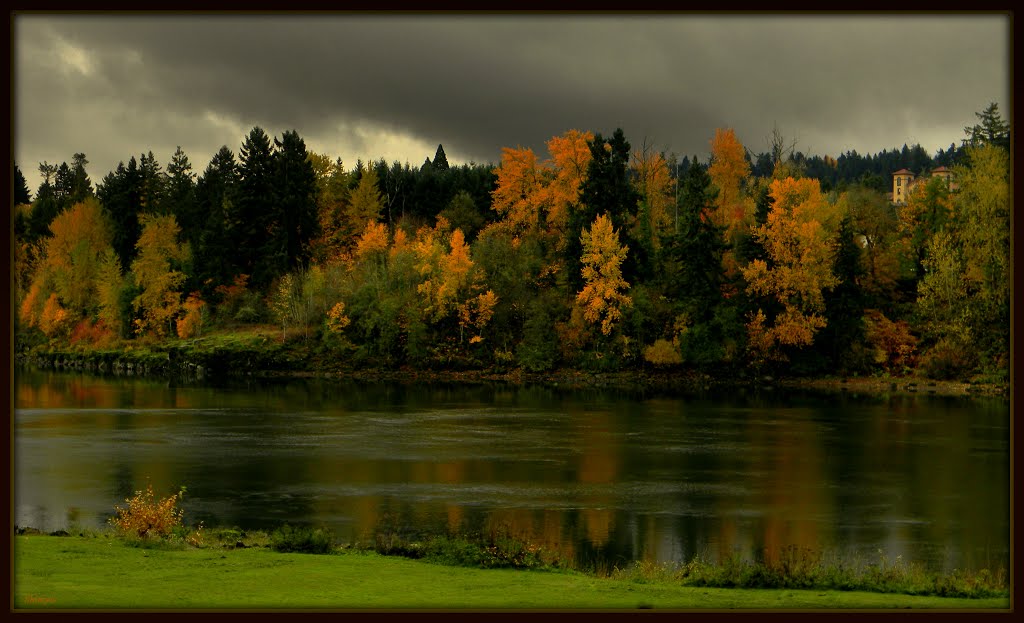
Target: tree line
(596, 255)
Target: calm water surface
(603, 477)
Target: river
(602, 477)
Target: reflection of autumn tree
(792, 462)
(599, 466)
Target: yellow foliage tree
(73, 255)
(364, 204)
(603, 295)
(158, 251)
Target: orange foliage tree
(729, 170)
(537, 197)
(191, 323)
(796, 238)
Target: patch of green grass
(103, 573)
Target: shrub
(662, 353)
(145, 516)
(892, 341)
(949, 359)
(302, 540)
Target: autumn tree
(332, 199)
(569, 166)
(654, 186)
(733, 212)
(606, 190)
(517, 195)
(928, 209)
(364, 204)
(963, 298)
(70, 263)
(604, 292)
(797, 238)
(874, 221)
(729, 171)
(110, 291)
(158, 275)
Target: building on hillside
(904, 180)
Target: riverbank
(260, 354)
(102, 572)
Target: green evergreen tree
(440, 162)
(215, 259)
(607, 190)
(180, 197)
(81, 185)
(151, 185)
(21, 191)
(992, 129)
(844, 304)
(119, 194)
(293, 221)
(252, 210)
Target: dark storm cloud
(113, 86)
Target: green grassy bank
(103, 572)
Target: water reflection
(602, 478)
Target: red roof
(941, 169)
(904, 172)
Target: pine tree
(180, 197)
(21, 191)
(119, 194)
(215, 259)
(251, 213)
(294, 218)
(440, 160)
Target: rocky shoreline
(184, 364)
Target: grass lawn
(105, 573)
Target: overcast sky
(371, 86)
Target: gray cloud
(114, 86)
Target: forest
(598, 255)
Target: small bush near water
(495, 550)
(302, 540)
(147, 521)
